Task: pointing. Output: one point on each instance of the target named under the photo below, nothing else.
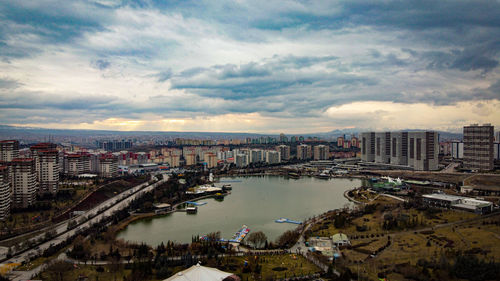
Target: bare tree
(257, 239)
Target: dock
(196, 203)
(283, 220)
(240, 234)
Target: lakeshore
(255, 201)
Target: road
(119, 202)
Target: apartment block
(423, 150)
(210, 159)
(5, 193)
(284, 151)
(304, 152)
(383, 147)
(478, 147)
(273, 157)
(23, 181)
(321, 152)
(457, 149)
(9, 150)
(368, 146)
(399, 148)
(108, 166)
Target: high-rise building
(5, 193)
(108, 166)
(497, 136)
(273, 157)
(399, 148)
(48, 171)
(423, 150)
(23, 181)
(284, 151)
(190, 159)
(478, 147)
(321, 152)
(368, 146)
(354, 142)
(340, 141)
(210, 159)
(496, 150)
(304, 152)
(241, 160)
(383, 147)
(457, 149)
(47, 166)
(9, 150)
(256, 155)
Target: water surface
(255, 201)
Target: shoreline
(151, 215)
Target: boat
(227, 187)
(293, 175)
(192, 210)
(323, 175)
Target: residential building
(241, 160)
(284, 151)
(304, 152)
(5, 193)
(340, 141)
(423, 150)
(256, 155)
(478, 147)
(23, 181)
(399, 148)
(273, 157)
(321, 152)
(496, 150)
(457, 149)
(368, 146)
(210, 160)
(383, 147)
(190, 159)
(355, 142)
(497, 136)
(47, 166)
(9, 150)
(108, 166)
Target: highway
(118, 202)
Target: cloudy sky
(249, 66)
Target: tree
(257, 239)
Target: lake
(254, 201)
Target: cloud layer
(258, 66)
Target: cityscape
(249, 140)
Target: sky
(249, 66)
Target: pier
(283, 220)
(240, 234)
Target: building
(340, 141)
(496, 150)
(9, 150)
(73, 164)
(47, 166)
(478, 147)
(284, 151)
(108, 166)
(241, 160)
(368, 146)
(457, 149)
(273, 157)
(497, 136)
(458, 202)
(23, 181)
(321, 152)
(399, 148)
(256, 155)
(383, 147)
(423, 150)
(354, 142)
(210, 159)
(304, 152)
(190, 159)
(5, 193)
(202, 273)
(340, 240)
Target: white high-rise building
(423, 148)
(304, 152)
(457, 149)
(399, 148)
(241, 160)
(108, 166)
(284, 151)
(478, 147)
(256, 155)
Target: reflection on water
(255, 201)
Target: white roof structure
(199, 273)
